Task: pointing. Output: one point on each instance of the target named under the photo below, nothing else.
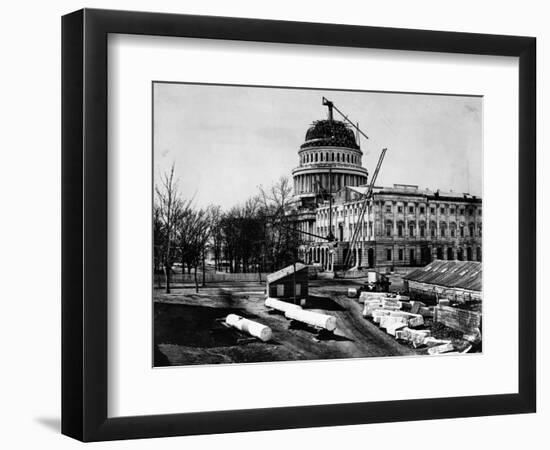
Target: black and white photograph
(295, 224)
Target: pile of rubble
(413, 323)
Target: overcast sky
(225, 141)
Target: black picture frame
(84, 224)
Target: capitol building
(402, 225)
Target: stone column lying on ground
(255, 329)
(312, 318)
(280, 305)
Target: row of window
(451, 231)
(444, 231)
(326, 156)
(450, 254)
(432, 209)
(411, 210)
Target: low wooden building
(280, 284)
(456, 280)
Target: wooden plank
(458, 319)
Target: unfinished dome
(330, 133)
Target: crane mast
(364, 207)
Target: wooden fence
(211, 277)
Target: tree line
(257, 235)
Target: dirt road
(188, 329)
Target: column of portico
(394, 209)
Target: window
(338, 157)
(280, 290)
(472, 230)
(411, 209)
(452, 232)
(422, 230)
(388, 208)
(422, 210)
(347, 158)
(442, 210)
(388, 254)
(479, 211)
(461, 231)
(479, 229)
(400, 254)
(432, 210)
(442, 229)
(432, 231)
(388, 230)
(298, 289)
(399, 209)
(411, 230)
(332, 156)
(452, 210)
(316, 157)
(400, 230)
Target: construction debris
(474, 337)
(430, 341)
(377, 314)
(426, 311)
(445, 348)
(372, 296)
(415, 306)
(405, 319)
(416, 337)
(412, 320)
(255, 329)
(459, 319)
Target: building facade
(402, 225)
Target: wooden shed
(280, 284)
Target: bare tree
(167, 212)
(281, 238)
(193, 233)
(216, 236)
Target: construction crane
(330, 236)
(363, 210)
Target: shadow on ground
(194, 326)
(326, 303)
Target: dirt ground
(188, 327)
